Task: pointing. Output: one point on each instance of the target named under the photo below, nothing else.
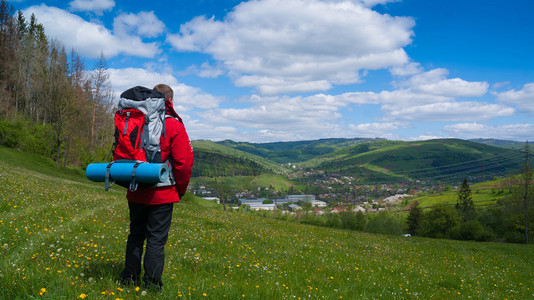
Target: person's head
(166, 90)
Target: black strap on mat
(108, 176)
(133, 183)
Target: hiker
(151, 208)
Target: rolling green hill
(368, 160)
(432, 160)
(500, 143)
(63, 237)
(212, 157)
(292, 152)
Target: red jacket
(175, 143)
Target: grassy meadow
(63, 237)
(485, 194)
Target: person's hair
(165, 89)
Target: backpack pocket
(129, 140)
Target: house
(294, 207)
(255, 206)
(318, 203)
(358, 208)
(305, 198)
(297, 198)
(250, 201)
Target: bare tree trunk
(65, 155)
(93, 124)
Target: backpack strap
(133, 183)
(126, 123)
(145, 142)
(108, 176)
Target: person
(151, 208)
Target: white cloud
(375, 129)
(522, 99)
(516, 132)
(411, 68)
(435, 82)
(282, 118)
(371, 3)
(205, 130)
(86, 38)
(278, 85)
(431, 96)
(299, 43)
(428, 96)
(448, 111)
(295, 113)
(143, 24)
(297, 118)
(185, 97)
(206, 70)
(96, 6)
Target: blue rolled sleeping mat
(128, 173)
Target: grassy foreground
(62, 237)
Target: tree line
(50, 104)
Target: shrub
(38, 139)
(469, 231)
(385, 224)
(352, 220)
(333, 220)
(494, 219)
(438, 221)
(28, 137)
(312, 219)
(10, 133)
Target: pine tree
(414, 219)
(464, 202)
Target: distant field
(484, 194)
(63, 237)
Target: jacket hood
(170, 110)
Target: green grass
(278, 182)
(64, 238)
(483, 194)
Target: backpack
(139, 124)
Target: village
(333, 196)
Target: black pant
(150, 222)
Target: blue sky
(286, 70)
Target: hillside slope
(500, 143)
(432, 160)
(298, 151)
(63, 237)
(211, 157)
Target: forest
(50, 104)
